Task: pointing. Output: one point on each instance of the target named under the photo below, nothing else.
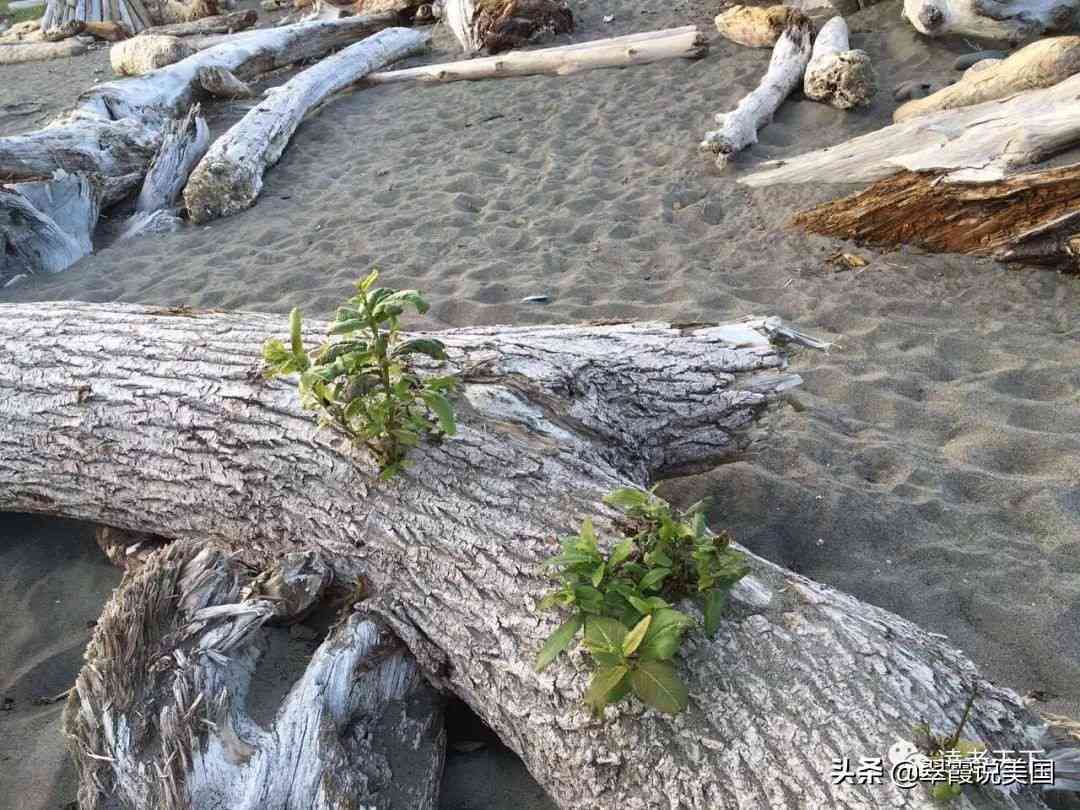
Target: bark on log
(738, 129)
(40, 51)
(635, 49)
(756, 26)
(500, 25)
(1012, 20)
(229, 177)
(157, 420)
(984, 142)
(46, 225)
(1032, 217)
(1041, 64)
(836, 74)
(217, 24)
(107, 31)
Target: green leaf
(655, 683)
(442, 409)
(598, 576)
(434, 349)
(343, 327)
(627, 499)
(604, 634)
(589, 599)
(635, 636)
(621, 553)
(558, 641)
(653, 579)
(295, 334)
(604, 681)
(715, 602)
(588, 534)
(665, 634)
(365, 284)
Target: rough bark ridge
(1032, 217)
(158, 420)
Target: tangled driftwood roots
(159, 420)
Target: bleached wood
(982, 142)
(40, 51)
(458, 16)
(756, 26)
(184, 142)
(229, 177)
(1014, 20)
(45, 225)
(739, 128)
(222, 83)
(836, 74)
(635, 49)
(551, 418)
(147, 52)
(217, 24)
(1041, 64)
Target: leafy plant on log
(622, 599)
(363, 383)
(951, 748)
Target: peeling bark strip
(229, 178)
(996, 218)
(158, 420)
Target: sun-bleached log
(147, 52)
(756, 26)
(360, 728)
(1043, 63)
(45, 225)
(40, 51)
(836, 74)
(1032, 217)
(1013, 20)
(184, 142)
(550, 419)
(635, 49)
(229, 177)
(739, 128)
(222, 83)
(983, 142)
(217, 24)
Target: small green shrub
(363, 383)
(622, 600)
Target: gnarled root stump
(159, 420)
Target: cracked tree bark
(158, 420)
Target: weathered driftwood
(160, 421)
(738, 128)
(361, 728)
(45, 225)
(222, 83)
(105, 19)
(147, 52)
(500, 25)
(836, 74)
(1030, 217)
(756, 26)
(40, 51)
(229, 177)
(635, 49)
(983, 142)
(217, 24)
(183, 144)
(993, 19)
(1041, 64)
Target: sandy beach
(931, 466)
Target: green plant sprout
(622, 599)
(363, 383)
(939, 747)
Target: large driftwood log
(836, 74)
(1013, 20)
(40, 51)
(756, 26)
(45, 225)
(147, 52)
(1041, 64)
(739, 128)
(634, 49)
(158, 420)
(217, 24)
(984, 142)
(1032, 217)
(229, 178)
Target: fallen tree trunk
(218, 24)
(837, 75)
(40, 51)
(158, 421)
(738, 128)
(635, 49)
(984, 142)
(229, 178)
(1041, 64)
(1031, 217)
(1013, 20)
(45, 225)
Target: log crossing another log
(739, 128)
(229, 178)
(836, 74)
(635, 49)
(158, 420)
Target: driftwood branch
(993, 19)
(634, 49)
(836, 74)
(217, 24)
(739, 128)
(158, 420)
(40, 51)
(229, 178)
